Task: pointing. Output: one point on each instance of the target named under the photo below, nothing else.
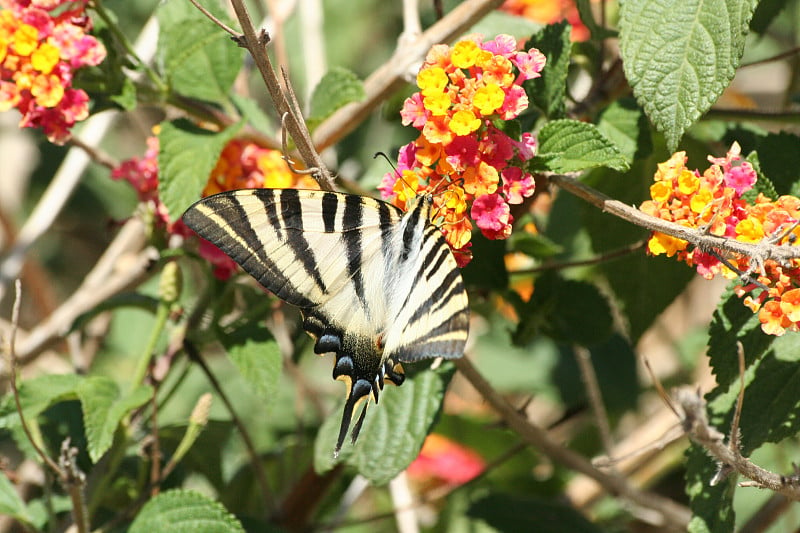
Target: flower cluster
(242, 164)
(461, 155)
(42, 44)
(549, 12)
(714, 201)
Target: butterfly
(376, 286)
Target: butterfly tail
(359, 391)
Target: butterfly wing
(429, 310)
(323, 252)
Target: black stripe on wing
(351, 235)
(221, 220)
(291, 218)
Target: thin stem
(589, 377)
(12, 365)
(255, 460)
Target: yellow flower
(45, 58)
(660, 191)
(464, 122)
(700, 200)
(437, 104)
(688, 182)
(488, 99)
(432, 80)
(25, 39)
(661, 243)
(749, 230)
(464, 54)
(47, 90)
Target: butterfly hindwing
(376, 286)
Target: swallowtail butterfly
(376, 286)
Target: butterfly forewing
(376, 286)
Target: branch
(673, 514)
(105, 280)
(700, 431)
(282, 98)
(391, 75)
(695, 236)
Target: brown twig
(696, 424)
(589, 377)
(598, 259)
(695, 236)
(281, 98)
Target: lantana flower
(714, 200)
(472, 167)
(42, 44)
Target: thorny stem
(697, 237)
(704, 434)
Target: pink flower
(516, 102)
(492, 215)
(414, 112)
(530, 64)
(517, 185)
(741, 178)
(445, 461)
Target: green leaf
(765, 13)
(258, 359)
(496, 22)
(337, 87)
(36, 395)
(548, 92)
(712, 507)
(733, 322)
(570, 145)
(771, 401)
(11, 504)
(538, 246)
(199, 59)
(513, 512)
(779, 157)
(677, 71)
(393, 430)
(625, 125)
(489, 271)
(565, 310)
(186, 157)
(586, 13)
(631, 275)
(183, 511)
(252, 113)
(104, 405)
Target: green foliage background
(676, 57)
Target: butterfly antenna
(394, 168)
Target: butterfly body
(376, 286)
